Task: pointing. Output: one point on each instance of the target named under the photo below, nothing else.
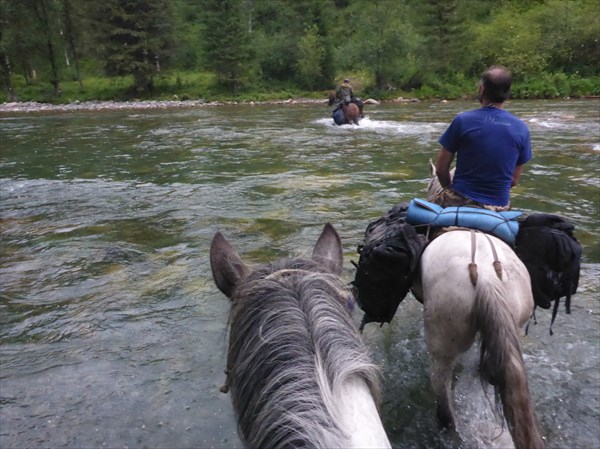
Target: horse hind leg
(442, 368)
(356, 113)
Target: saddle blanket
(503, 225)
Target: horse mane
(292, 343)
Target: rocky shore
(32, 106)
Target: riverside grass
(179, 85)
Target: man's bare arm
(442, 167)
(517, 175)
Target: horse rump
(387, 266)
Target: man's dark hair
(496, 83)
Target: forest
(75, 50)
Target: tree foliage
(307, 44)
(226, 45)
(135, 38)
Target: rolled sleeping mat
(503, 225)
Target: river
(112, 333)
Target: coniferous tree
(136, 38)
(72, 33)
(45, 13)
(20, 41)
(226, 41)
(5, 67)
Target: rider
(491, 146)
(345, 95)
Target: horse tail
(501, 361)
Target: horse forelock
(292, 343)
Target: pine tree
(226, 41)
(135, 36)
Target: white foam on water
(476, 422)
(387, 126)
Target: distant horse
(299, 373)
(473, 283)
(348, 114)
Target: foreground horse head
(298, 371)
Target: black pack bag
(546, 245)
(388, 264)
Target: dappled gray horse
(298, 371)
(474, 284)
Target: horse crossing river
(112, 332)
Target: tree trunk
(10, 91)
(42, 14)
(5, 63)
(70, 39)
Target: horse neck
(295, 355)
(356, 410)
(435, 188)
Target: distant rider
(345, 95)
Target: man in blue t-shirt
(491, 146)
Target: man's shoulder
(472, 113)
(515, 120)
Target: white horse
(472, 283)
(297, 368)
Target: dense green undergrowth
(202, 86)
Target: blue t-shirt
(489, 143)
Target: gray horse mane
(292, 342)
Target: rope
(497, 264)
(473, 266)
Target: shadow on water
(112, 332)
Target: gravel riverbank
(32, 106)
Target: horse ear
(432, 171)
(227, 266)
(328, 250)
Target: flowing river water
(112, 333)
